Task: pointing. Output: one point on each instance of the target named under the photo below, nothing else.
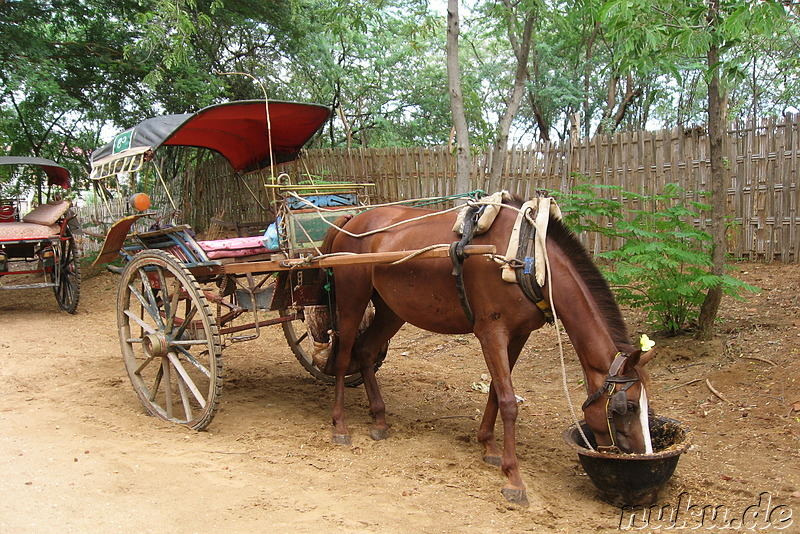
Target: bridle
(616, 399)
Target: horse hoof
(516, 496)
(342, 439)
(379, 433)
(493, 460)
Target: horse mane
(598, 286)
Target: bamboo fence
(762, 171)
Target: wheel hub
(155, 345)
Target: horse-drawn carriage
(182, 300)
(341, 287)
(39, 249)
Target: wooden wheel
(170, 340)
(301, 343)
(66, 275)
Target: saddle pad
(541, 209)
(235, 247)
(492, 208)
(12, 231)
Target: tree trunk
(710, 307)
(463, 160)
(522, 53)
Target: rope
(395, 225)
(561, 355)
(417, 202)
(371, 232)
(418, 252)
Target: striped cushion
(236, 247)
(11, 231)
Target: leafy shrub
(663, 262)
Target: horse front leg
(354, 283)
(499, 354)
(492, 454)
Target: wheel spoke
(162, 284)
(191, 359)
(173, 358)
(146, 327)
(168, 386)
(145, 363)
(186, 321)
(146, 306)
(156, 382)
(189, 342)
(187, 406)
(173, 304)
(148, 294)
(302, 337)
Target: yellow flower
(646, 343)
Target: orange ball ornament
(140, 201)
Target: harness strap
(611, 379)
(457, 256)
(525, 269)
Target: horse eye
(633, 407)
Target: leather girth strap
(457, 256)
(526, 269)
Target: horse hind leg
(491, 454)
(384, 326)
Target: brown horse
(423, 292)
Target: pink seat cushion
(10, 231)
(235, 247)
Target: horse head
(617, 411)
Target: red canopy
(238, 131)
(241, 131)
(56, 174)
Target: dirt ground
(79, 454)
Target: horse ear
(638, 357)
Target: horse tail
(327, 365)
(327, 242)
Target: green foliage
(663, 262)
(753, 39)
(71, 69)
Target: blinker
(619, 403)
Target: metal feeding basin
(632, 479)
